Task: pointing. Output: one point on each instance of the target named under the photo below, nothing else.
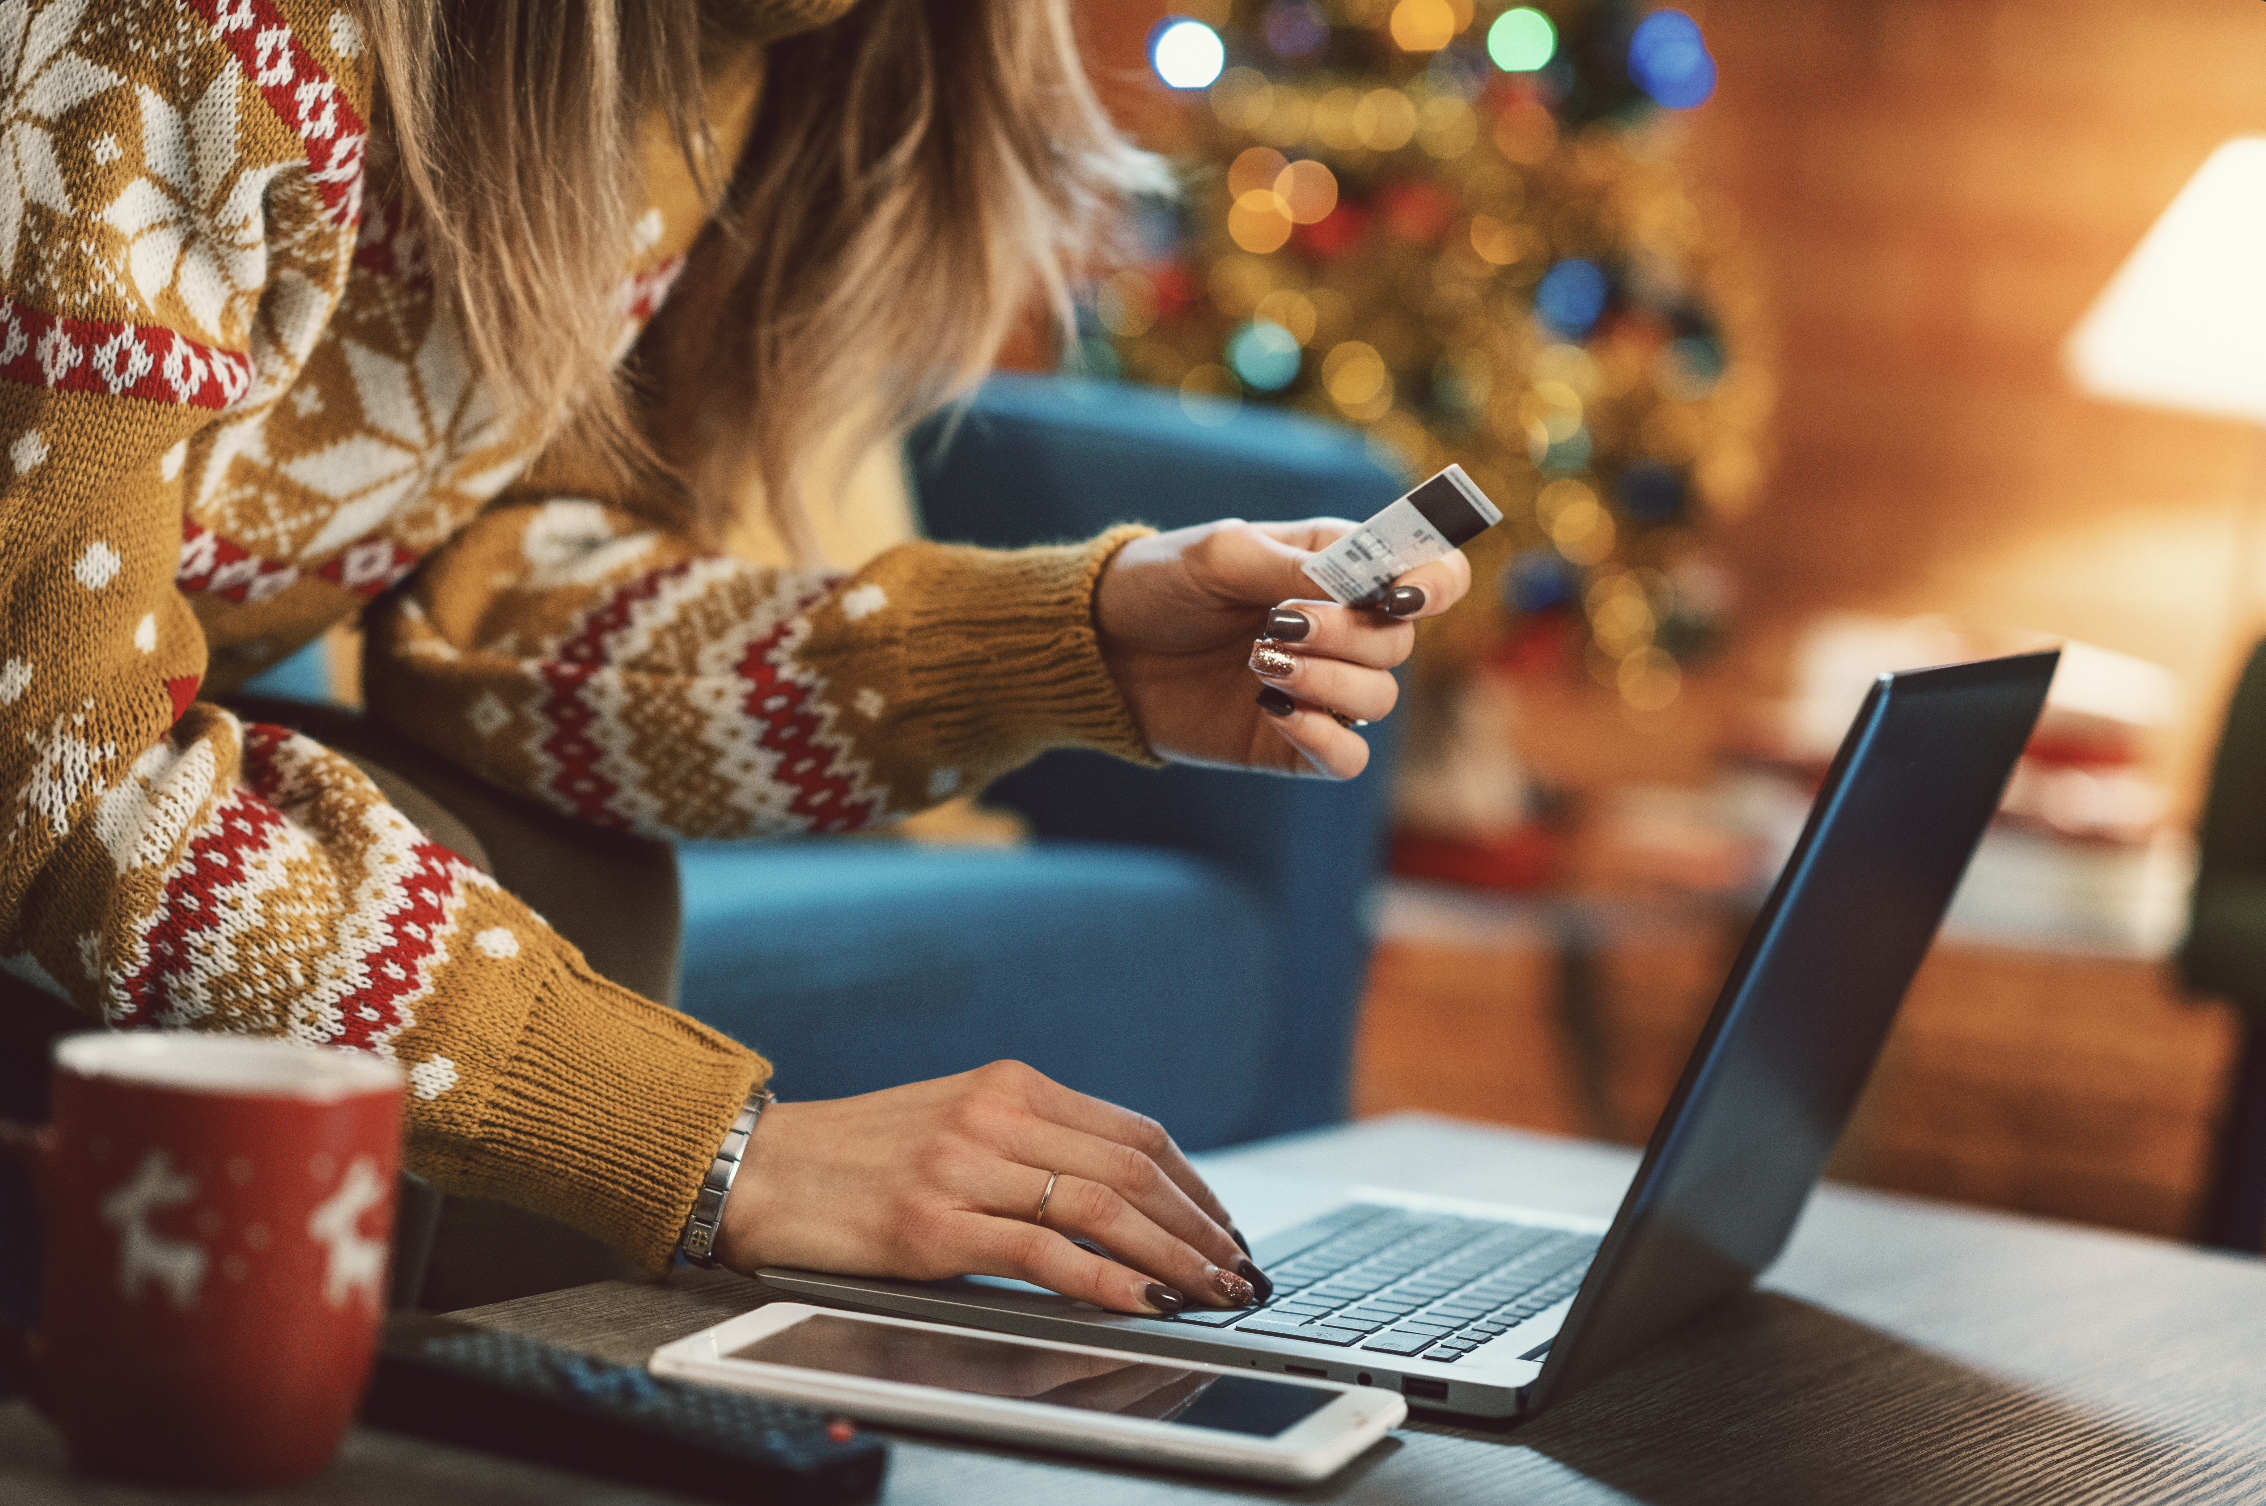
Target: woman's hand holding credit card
(1319, 613)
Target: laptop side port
(1424, 1390)
(1314, 1371)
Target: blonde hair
(918, 170)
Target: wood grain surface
(1901, 1351)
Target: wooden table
(1901, 1351)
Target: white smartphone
(1072, 1398)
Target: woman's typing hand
(1181, 614)
(944, 1178)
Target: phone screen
(994, 1367)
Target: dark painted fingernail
(1164, 1299)
(1404, 601)
(1274, 702)
(1288, 626)
(1240, 1242)
(1268, 660)
(1258, 1279)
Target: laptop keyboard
(1423, 1285)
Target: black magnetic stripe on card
(1446, 508)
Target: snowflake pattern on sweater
(234, 412)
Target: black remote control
(442, 1379)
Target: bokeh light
(1259, 222)
(1649, 680)
(1583, 531)
(1620, 614)
(1384, 120)
(1539, 579)
(1447, 127)
(1295, 28)
(1264, 355)
(1669, 60)
(1556, 407)
(1239, 282)
(1186, 54)
(1243, 99)
(1355, 377)
(1254, 169)
(1423, 25)
(1308, 190)
(1554, 499)
(1502, 242)
(1522, 40)
(1333, 119)
(1571, 297)
(1289, 310)
(1526, 132)
(1126, 304)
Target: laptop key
(1277, 1328)
(1212, 1317)
(1444, 1356)
(1399, 1343)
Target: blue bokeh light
(1669, 60)
(1538, 580)
(1264, 355)
(1650, 492)
(1186, 54)
(1571, 296)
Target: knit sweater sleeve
(583, 652)
(176, 219)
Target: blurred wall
(1935, 191)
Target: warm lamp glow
(2183, 323)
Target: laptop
(1495, 1312)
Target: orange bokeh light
(1309, 191)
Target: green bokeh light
(1521, 40)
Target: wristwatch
(699, 1241)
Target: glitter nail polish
(1268, 660)
(1233, 1289)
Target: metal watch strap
(699, 1242)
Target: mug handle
(32, 1147)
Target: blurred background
(1756, 317)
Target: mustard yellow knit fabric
(232, 414)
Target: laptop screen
(1801, 1018)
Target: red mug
(219, 1214)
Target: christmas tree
(1465, 232)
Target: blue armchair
(1188, 942)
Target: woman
(313, 312)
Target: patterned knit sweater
(230, 416)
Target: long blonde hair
(918, 170)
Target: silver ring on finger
(1349, 721)
(1045, 1197)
